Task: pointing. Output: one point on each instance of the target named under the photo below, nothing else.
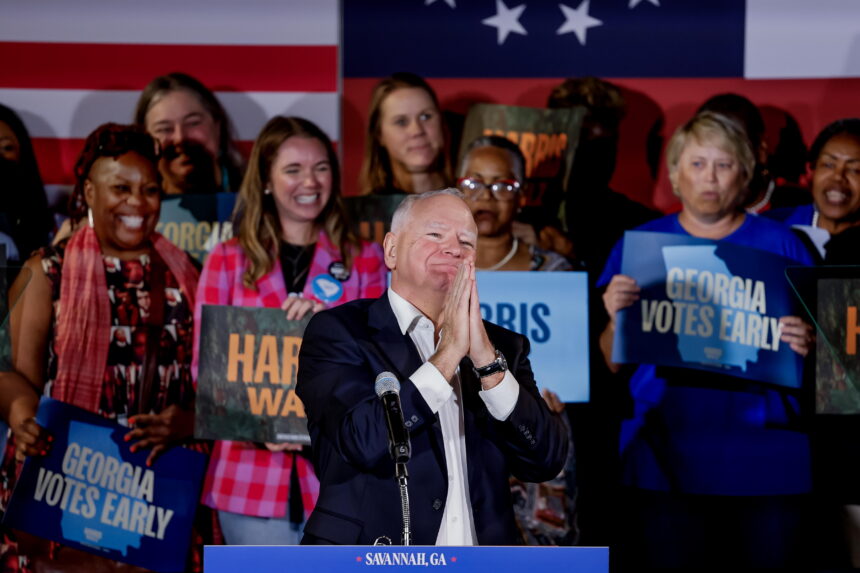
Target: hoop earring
(90, 216)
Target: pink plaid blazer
(243, 478)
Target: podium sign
(342, 558)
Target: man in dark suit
(468, 396)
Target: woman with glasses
(490, 178)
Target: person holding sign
(491, 178)
(405, 145)
(716, 466)
(293, 249)
(469, 400)
(70, 339)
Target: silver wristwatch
(497, 365)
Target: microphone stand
(402, 479)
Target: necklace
(765, 200)
(815, 218)
(506, 258)
(295, 264)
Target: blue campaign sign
(196, 223)
(708, 305)
(90, 492)
(551, 309)
(337, 559)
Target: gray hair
(401, 214)
(518, 161)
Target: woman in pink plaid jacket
(293, 250)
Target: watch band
(497, 365)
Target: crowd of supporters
(670, 467)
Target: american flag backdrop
(668, 56)
(68, 67)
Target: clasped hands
(461, 329)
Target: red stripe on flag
(31, 65)
(655, 107)
(56, 159)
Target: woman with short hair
(716, 468)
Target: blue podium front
(336, 559)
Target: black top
(295, 264)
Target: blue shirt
(800, 215)
(733, 437)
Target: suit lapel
(395, 348)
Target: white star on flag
(577, 21)
(506, 20)
(633, 3)
(453, 3)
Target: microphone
(388, 389)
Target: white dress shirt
(446, 400)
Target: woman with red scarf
(77, 327)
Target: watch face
(502, 362)
(497, 365)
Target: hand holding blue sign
(621, 292)
(683, 301)
(797, 333)
(91, 492)
(31, 439)
(160, 431)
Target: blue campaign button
(327, 288)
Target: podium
(344, 558)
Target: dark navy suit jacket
(342, 352)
